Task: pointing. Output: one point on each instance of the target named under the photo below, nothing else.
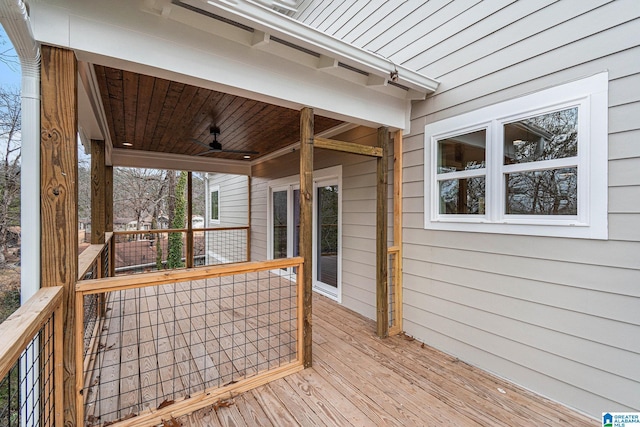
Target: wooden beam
(347, 147)
(382, 296)
(306, 227)
(397, 228)
(98, 192)
(59, 197)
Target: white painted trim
(590, 95)
(259, 17)
(153, 160)
(185, 47)
(213, 189)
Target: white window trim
(591, 97)
(214, 189)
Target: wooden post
(382, 297)
(249, 218)
(190, 251)
(397, 226)
(108, 212)
(306, 226)
(59, 198)
(98, 192)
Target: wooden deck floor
(360, 380)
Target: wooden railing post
(59, 197)
(382, 288)
(306, 227)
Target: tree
(174, 256)
(10, 144)
(138, 192)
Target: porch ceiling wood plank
(160, 89)
(156, 114)
(144, 97)
(130, 84)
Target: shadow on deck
(358, 379)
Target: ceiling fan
(216, 147)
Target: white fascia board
(121, 36)
(153, 160)
(259, 17)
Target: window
(534, 165)
(214, 201)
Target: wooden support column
(59, 201)
(306, 227)
(98, 192)
(397, 226)
(108, 213)
(249, 218)
(190, 251)
(382, 288)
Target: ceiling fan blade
(200, 143)
(239, 151)
(208, 152)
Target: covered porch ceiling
(157, 75)
(158, 115)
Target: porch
(359, 379)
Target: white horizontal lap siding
(558, 316)
(233, 199)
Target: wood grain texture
(98, 192)
(347, 147)
(397, 228)
(382, 288)
(155, 114)
(358, 379)
(306, 226)
(59, 194)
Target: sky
(8, 76)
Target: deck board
(357, 378)
(421, 386)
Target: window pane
(462, 196)
(462, 152)
(546, 137)
(279, 224)
(548, 192)
(215, 206)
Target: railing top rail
(177, 230)
(173, 276)
(89, 255)
(22, 326)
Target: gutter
(259, 17)
(14, 17)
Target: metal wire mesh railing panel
(222, 246)
(392, 287)
(141, 252)
(106, 260)
(27, 390)
(162, 343)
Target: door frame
(331, 175)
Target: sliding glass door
(284, 228)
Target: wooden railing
(96, 261)
(31, 362)
(176, 341)
(395, 290)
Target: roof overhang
(187, 42)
